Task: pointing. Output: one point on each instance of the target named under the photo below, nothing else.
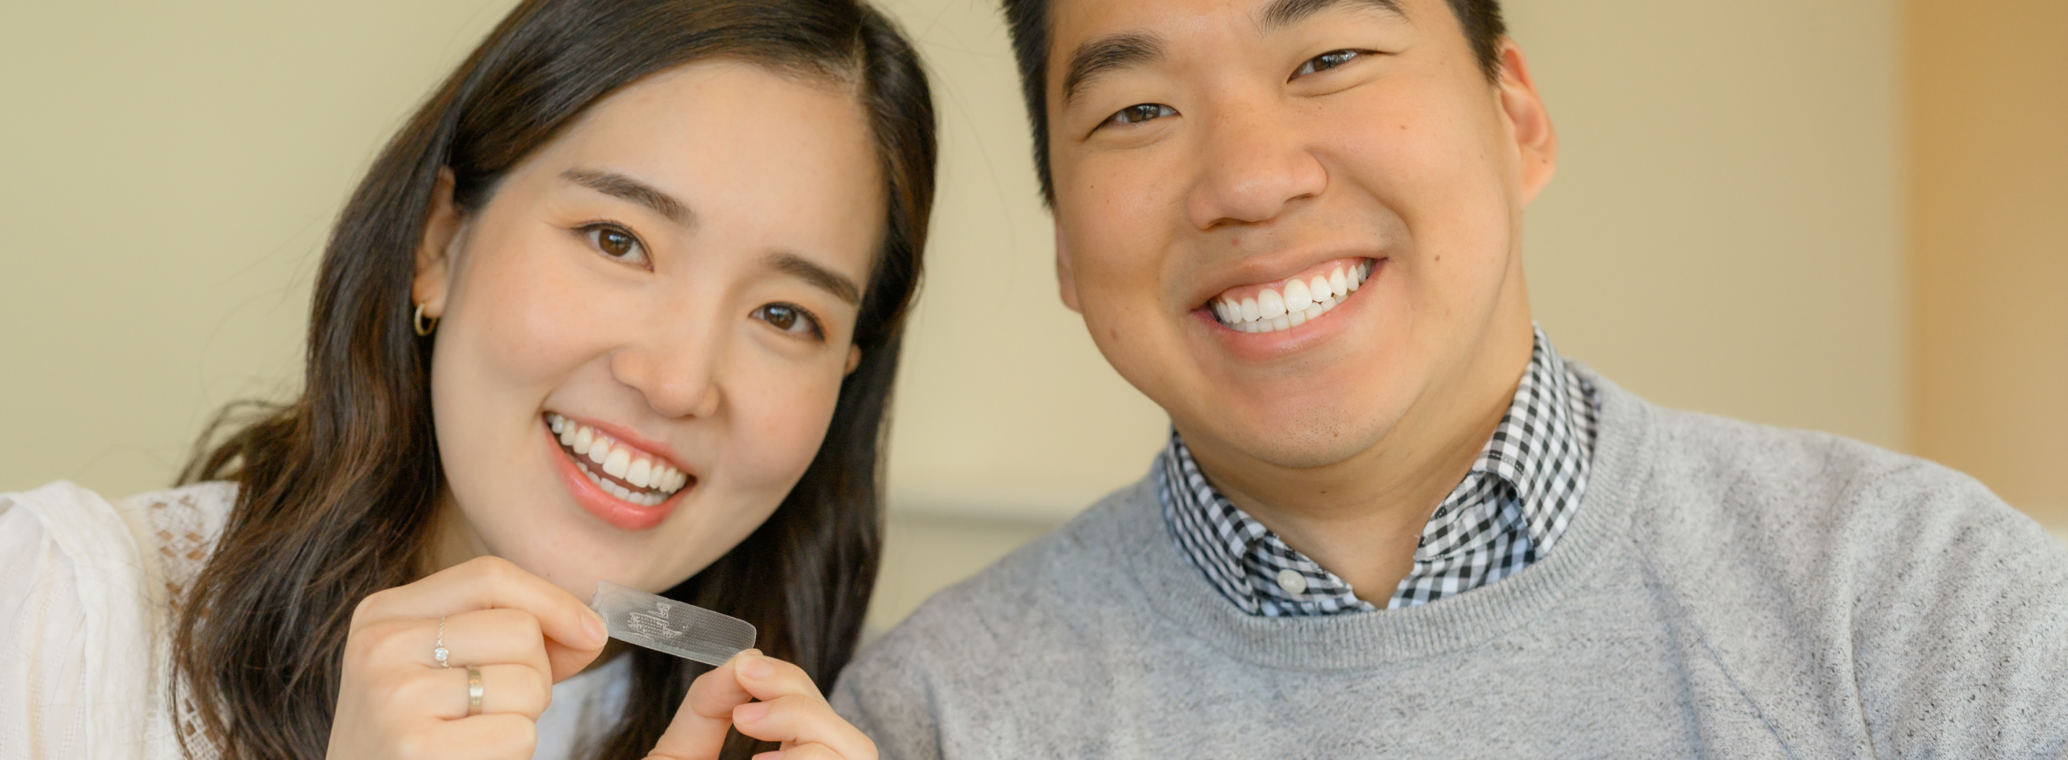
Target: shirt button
(1292, 582)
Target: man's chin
(1309, 440)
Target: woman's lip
(621, 514)
(660, 452)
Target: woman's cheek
(787, 417)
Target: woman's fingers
(792, 711)
(798, 721)
(482, 736)
(469, 638)
(805, 752)
(574, 634)
(698, 730)
(505, 690)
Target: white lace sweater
(87, 591)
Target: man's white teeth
(1270, 304)
(655, 480)
(1271, 310)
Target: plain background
(1845, 215)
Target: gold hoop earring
(417, 323)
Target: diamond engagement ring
(441, 653)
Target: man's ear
(1535, 139)
(1065, 281)
(434, 253)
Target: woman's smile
(622, 484)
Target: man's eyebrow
(618, 185)
(825, 279)
(1105, 55)
(1284, 13)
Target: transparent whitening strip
(666, 625)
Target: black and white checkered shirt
(1507, 513)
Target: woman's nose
(675, 369)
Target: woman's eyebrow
(620, 186)
(825, 279)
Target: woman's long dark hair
(337, 488)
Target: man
(1391, 519)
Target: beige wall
(1989, 217)
(1726, 233)
(168, 172)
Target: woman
(620, 303)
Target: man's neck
(1362, 518)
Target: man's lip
(1263, 348)
(619, 513)
(1259, 271)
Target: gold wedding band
(473, 691)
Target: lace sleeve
(185, 522)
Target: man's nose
(1254, 163)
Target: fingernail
(594, 627)
(756, 667)
(750, 712)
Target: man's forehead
(1092, 37)
(1084, 19)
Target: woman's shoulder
(161, 537)
(183, 523)
(84, 589)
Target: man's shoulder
(1055, 580)
(1743, 516)
(1798, 481)
(1015, 622)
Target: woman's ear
(434, 253)
(854, 359)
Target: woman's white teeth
(1271, 310)
(594, 451)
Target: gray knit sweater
(1726, 590)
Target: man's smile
(1291, 302)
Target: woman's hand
(522, 633)
(790, 711)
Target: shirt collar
(1538, 453)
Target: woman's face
(643, 333)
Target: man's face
(1209, 153)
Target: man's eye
(787, 318)
(1326, 61)
(1141, 112)
(615, 242)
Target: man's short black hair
(1481, 20)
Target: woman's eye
(1141, 112)
(1326, 61)
(616, 243)
(789, 319)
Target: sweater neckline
(1176, 591)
